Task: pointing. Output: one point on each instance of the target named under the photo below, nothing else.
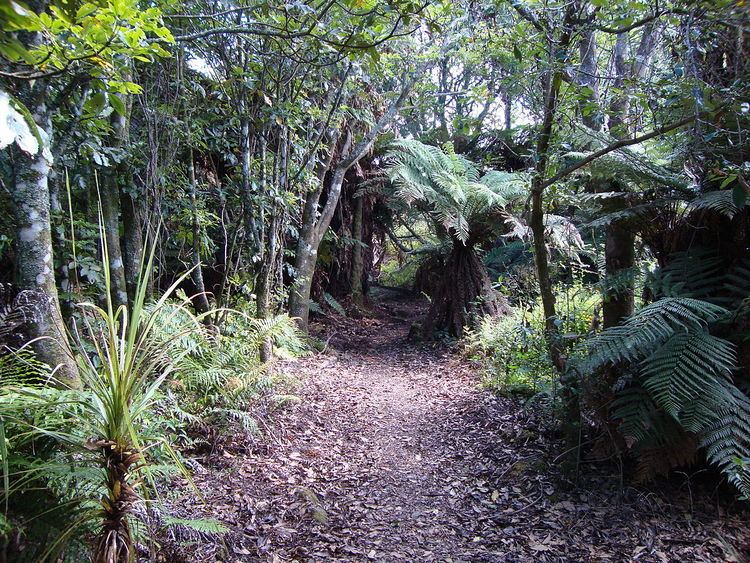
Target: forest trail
(394, 453)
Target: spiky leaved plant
(121, 378)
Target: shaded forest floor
(394, 453)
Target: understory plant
(682, 385)
(513, 349)
(91, 438)
(217, 375)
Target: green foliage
(513, 349)
(91, 35)
(217, 376)
(450, 186)
(676, 368)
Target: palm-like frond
(624, 164)
(450, 185)
(683, 372)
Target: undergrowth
(512, 349)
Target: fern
(202, 526)
(335, 305)
(727, 440)
(449, 185)
(720, 201)
(649, 328)
(687, 376)
(682, 387)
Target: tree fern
(682, 372)
(449, 185)
(719, 201)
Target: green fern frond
(649, 328)
(720, 201)
(202, 526)
(449, 185)
(687, 376)
(727, 440)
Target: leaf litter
(395, 453)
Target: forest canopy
(189, 187)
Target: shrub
(513, 349)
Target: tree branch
(614, 146)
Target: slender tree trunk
(110, 201)
(110, 198)
(507, 110)
(133, 239)
(200, 300)
(310, 237)
(264, 285)
(619, 247)
(314, 227)
(588, 77)
(133, 215)
(246, 145)
(357, 251)
(35, 264)
(569, 385)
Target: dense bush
(513, 348)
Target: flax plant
(128, 365)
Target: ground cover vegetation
(195, 195)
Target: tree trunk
(619, 248)
(569, 387)
(588, 77)
(246, 144)
(132, 222)
(619, 256)
(200, 300)
(35, 269)
(314, 227)
(464, 295)
(110, 201)
(357, 261)
(309, 241)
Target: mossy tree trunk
(200, 300)
(357, 254)
(110, 201)
(35, 265)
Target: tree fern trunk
(619, 255)
(465, 294)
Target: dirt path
(395, 454)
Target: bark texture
(110, 202)
(464, 294)
(35, 269)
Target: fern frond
(449, 185)
(720, 201)
(687, 376)
(727, 440)
(649, 328)
(203, 526)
